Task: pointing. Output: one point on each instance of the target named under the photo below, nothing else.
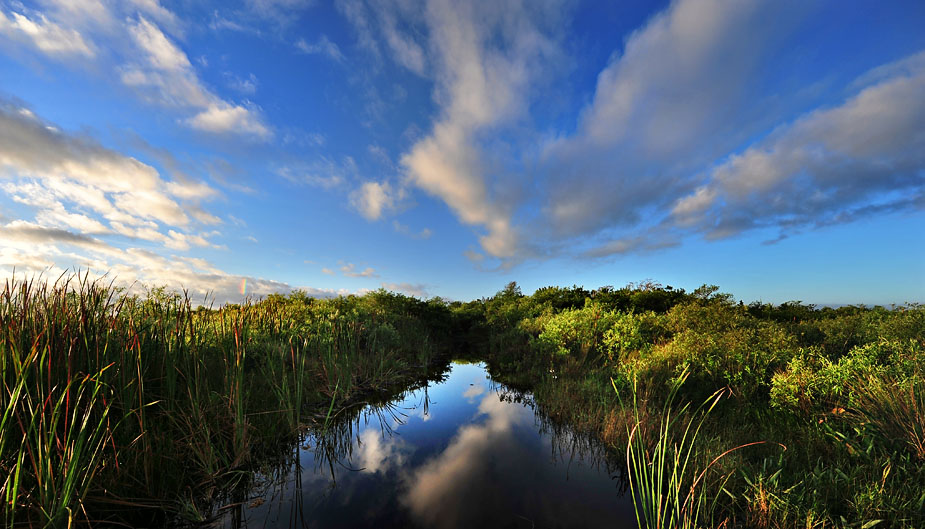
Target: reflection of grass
(667, 486)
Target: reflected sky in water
(465, 452)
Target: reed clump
(115, 404)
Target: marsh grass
(667, 465)
(894, 409)
(106, 396)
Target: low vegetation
(833, 399)
(815, 417)
(123, 408)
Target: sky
(445, 148)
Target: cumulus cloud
(49, 166)
(35, 250)
(374, 199)
(486, 60)
(377, 452)
(682, 77)
(92, 204)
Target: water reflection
(459, 453)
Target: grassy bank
(835, 396)
(123, 409)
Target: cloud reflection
(443, 490)
(378, 453)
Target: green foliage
(632, 332)
(578, 332)
(812, 378)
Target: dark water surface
(462, 453)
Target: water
(462, 453)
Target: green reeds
(105, 396)
(666, 467)
(56, 402)
(895, 409)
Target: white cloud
(405, 50)
(378, 453)
(167, 77)
(47, 36)
(349, 270)
(321, 172)
(435, 490)
(374, 199)
(486, 61)
(323, 47)
(33, 249)
(74, 183)
(155, 10)
(831, 165)
(161, 52)
(682, 77)
(412, 289)
(223, 118)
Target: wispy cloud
(424, 233)
(349, 270)
(322, 47)
(155, 66)
(92, 204)
(245, 85)
(412, 289)
(322, 172)
(485, 63)
(35, 29)
(828, 166)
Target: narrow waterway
(462, 453)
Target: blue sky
(441, 148)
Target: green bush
(578, 332)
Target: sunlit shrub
(726, 347)
(633, 332)
(813, 379)
(578, 332)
